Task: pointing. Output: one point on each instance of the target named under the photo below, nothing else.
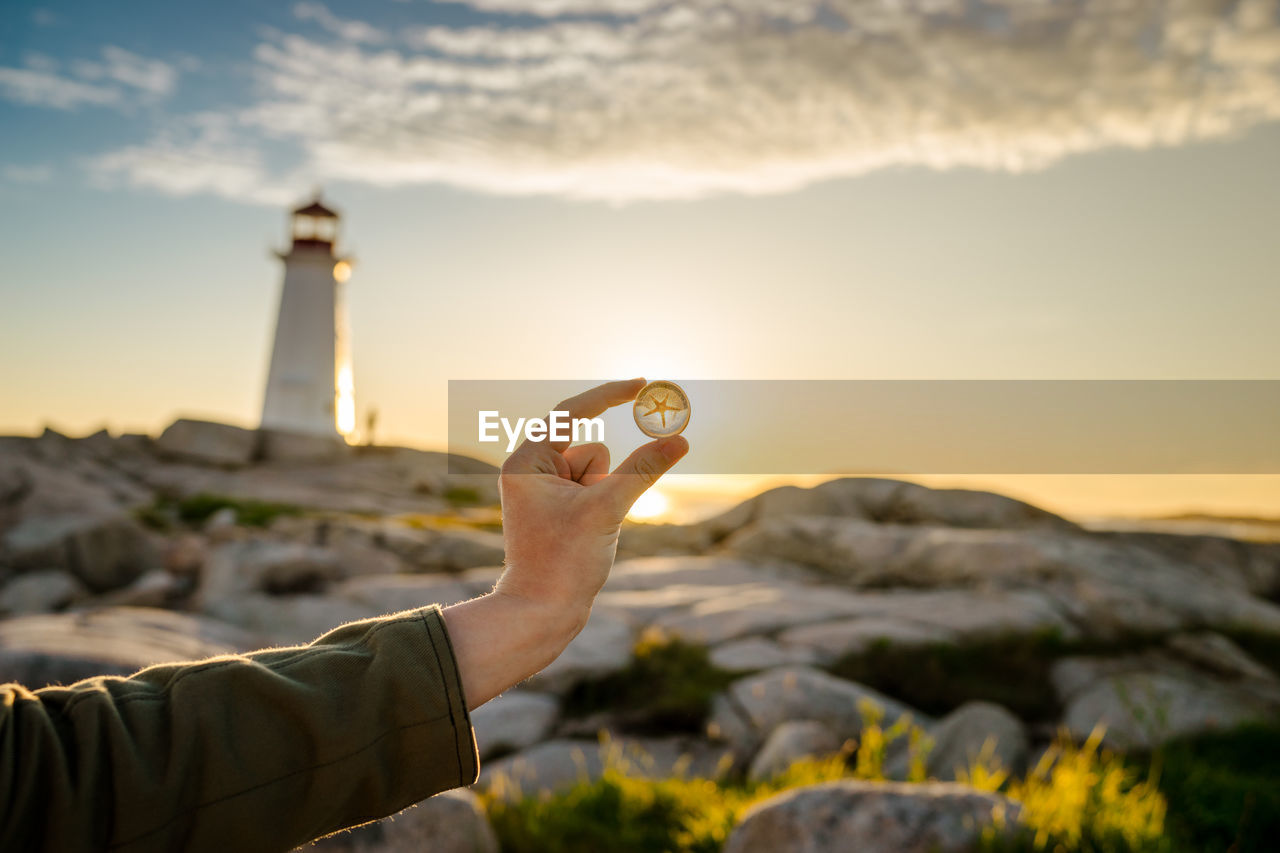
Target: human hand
(562, 510)
(561, 514)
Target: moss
(166, 513)
(462, 496)
(157, 515)
(667, 687)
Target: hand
(562, 510)
(561, 514)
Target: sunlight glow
(346, 401)
(651, 504)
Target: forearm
(257, 752)
(500, 640)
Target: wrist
(552, 624)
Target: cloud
(115, 81)
(635, 99)
(121, 66)
(46, 89)
(349, 30)
(202, 154)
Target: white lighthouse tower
(310, 388)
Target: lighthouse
(310, 387)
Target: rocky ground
(978, 616)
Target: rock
(40, 592)
(555, 764)
(67, 647)
(208, 443)
(1111, 587)
(870, 817)
(393, 593)
(513, 721)
(545, 767)
(1218, 654)
(450, 822)
(257, 565)
(758, 608)
(883, 501)
(155, 588)
(185, 554)
(829, 641)
(790, 742)
(659, 573)
(105, 552)
(755, 653)
(285, 446)
(754, 706)
(221, 522)
(603, 647)
(288, 620)
(1144, 700)
(643, 540)
(15, 482)
(960, 738)
(457, 549)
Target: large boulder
(790, 742)
(883, 501)
(1196, 684)
(63, 648)
(208, 443)
(513, 721)
(450, 822)
(288, 620)
(104, 551)
(920, 617)
(977, 732)
(257, 565)
(40, 592)
(287, 446)
(755, 653)
(1111, 587)
(870, 817)
(393, 593)
(754, 706)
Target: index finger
(588, 404)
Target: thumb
(642, 469)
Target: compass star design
(661, 407)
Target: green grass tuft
(165, 513)
(667, 687)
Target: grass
(622, 813)
(1077, 798)
(165, 513)
(667, 687)
(1223, 789)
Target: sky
(714, 189)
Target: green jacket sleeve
(262, 751)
